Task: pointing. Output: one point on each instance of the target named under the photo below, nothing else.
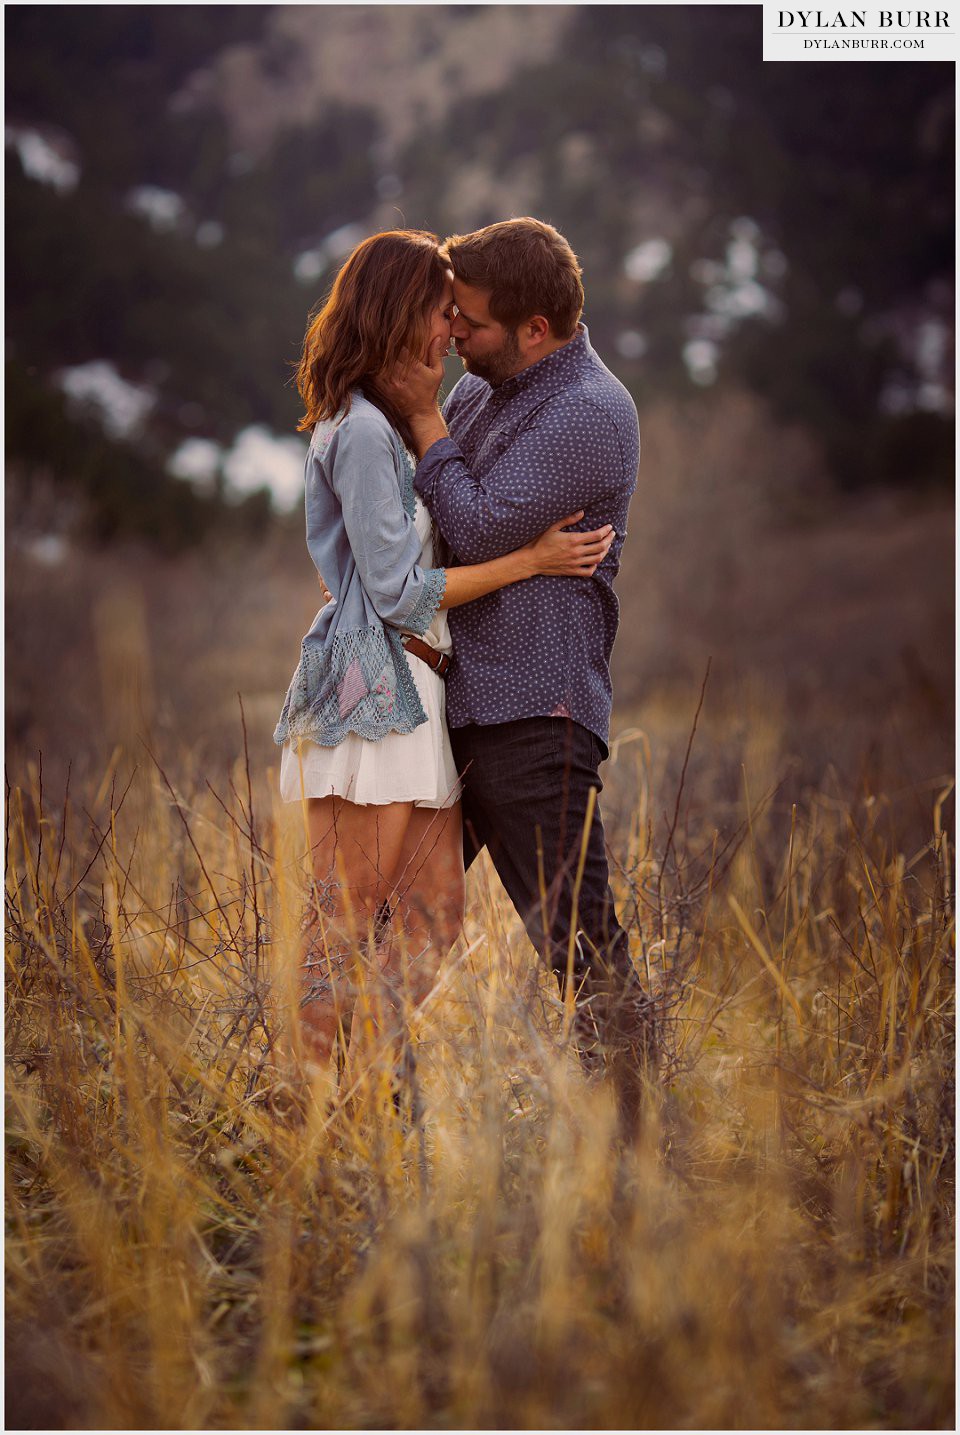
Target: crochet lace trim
(422, 615)
(360, 684)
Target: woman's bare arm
(554, 554)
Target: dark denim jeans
(526, 798)
(527, 791)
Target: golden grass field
(775, 1250)
(187, 1249)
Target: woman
(363, 727)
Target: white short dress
(415, 767)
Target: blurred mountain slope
(784, 230)
(408, 63)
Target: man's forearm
(426, 429)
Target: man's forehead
(473, 302)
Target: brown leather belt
(439, 662)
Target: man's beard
(498, 366)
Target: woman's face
(439, 320)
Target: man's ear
(536, 330)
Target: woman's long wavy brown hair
(379, 306)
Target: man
(537, 428)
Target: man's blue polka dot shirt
(559, 436)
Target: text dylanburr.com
(866, 34)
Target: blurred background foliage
(768, 258)
(651, 131)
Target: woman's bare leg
(399, 858)
(427, 900)
(355, 852)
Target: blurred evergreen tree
(846, 169)
(127, 493)
(215, 330)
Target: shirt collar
(553, 366)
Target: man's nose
(458, 328)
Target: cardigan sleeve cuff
(421, 616)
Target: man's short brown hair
(528, 267)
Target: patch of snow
(163, 209)
(311, 263)
(631, 344)
(648, 260)
(931, 347)
(742, 258)
(209, 234)
(745, 228)
(48, 549)
(733, 283)
(732, 293)
(308, 266)
(743, 300)
(341, 241)
(934, 399)
(120, 406)
(198, 461)
(700, 357)
(42, 160)
(924, 382)
(259, 459)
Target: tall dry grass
(187, 1248)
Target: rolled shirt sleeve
(382, 535)
(561, 460)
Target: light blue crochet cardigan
(353, 674)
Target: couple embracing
(454, 692)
